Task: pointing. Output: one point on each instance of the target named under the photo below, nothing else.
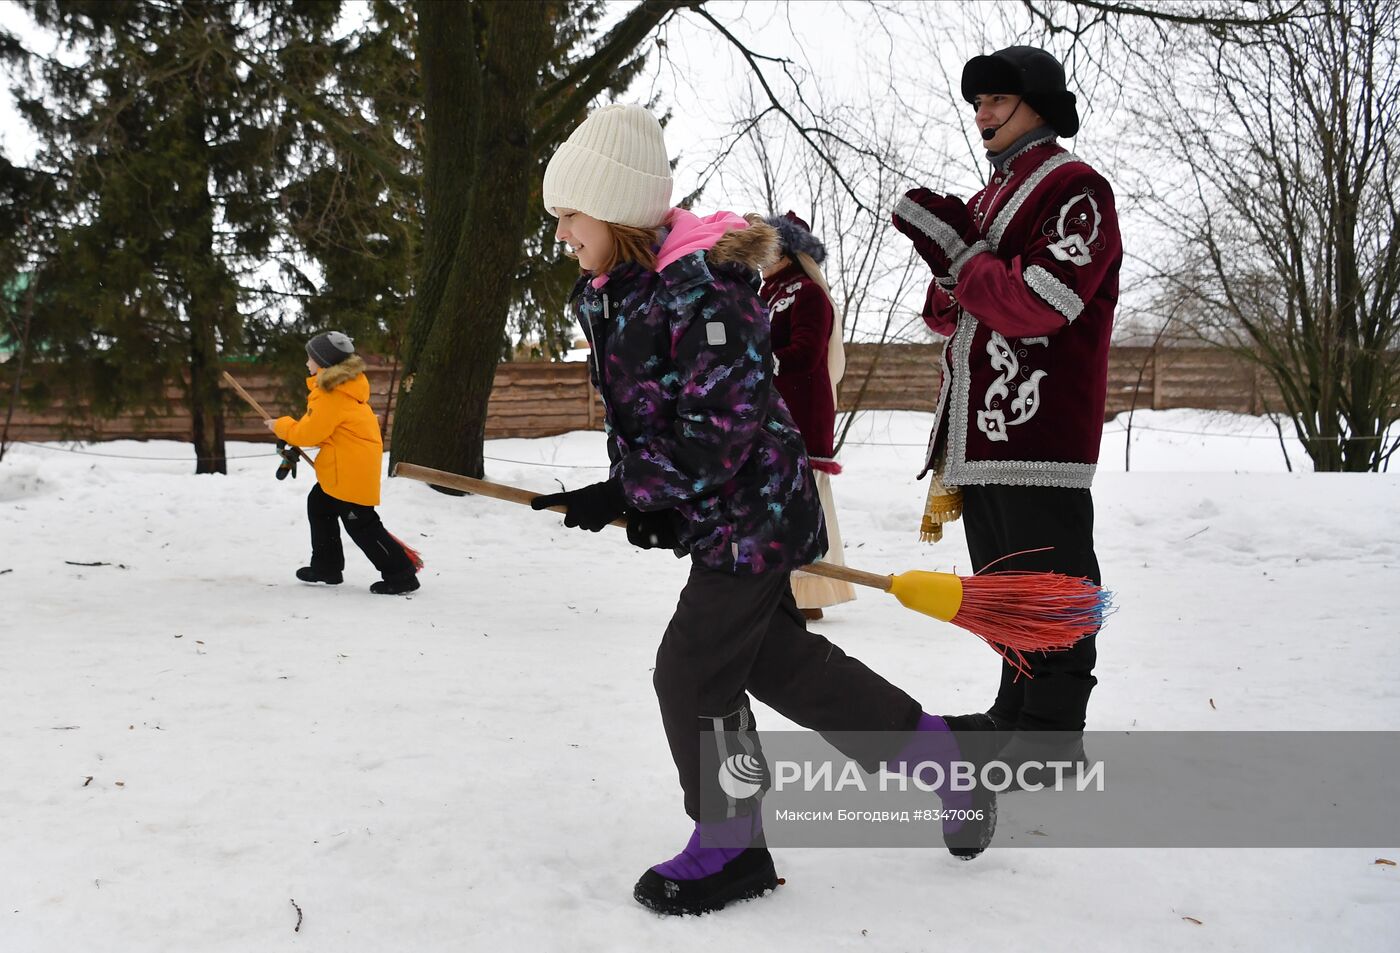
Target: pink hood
(689, 233)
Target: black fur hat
(796, 236)
(1031, 73)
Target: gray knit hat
(330, 348)
(614, 168)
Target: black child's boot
(969, 814)
(396, 584)
(724, 862)
(332, 577)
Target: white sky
(890, 70)
(898, 65)
(16, 141)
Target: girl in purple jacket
(706, 461)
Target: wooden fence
(906, 377)
(539, 399)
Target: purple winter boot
(707, 875)
(970, 830)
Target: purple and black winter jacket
(681, 358)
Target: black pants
(1002, 520)
(739, 634)
(326, 513)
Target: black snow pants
(1002, 520)
(326, 513)
(733, 635)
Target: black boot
(312, 574)
(977, 831)
(723, 861)
(396, 585)
(969, 817)
(747, 876)
(1029, 755)
(981, 735)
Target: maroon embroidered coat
(1025, 372)
(802, 316)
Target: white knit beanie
(613, 167)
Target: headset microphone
(989, 134)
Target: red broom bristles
(1019, 612)
(410, 552)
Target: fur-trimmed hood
(724, 237)
(795, 237)
(337, 375)
(754, 247)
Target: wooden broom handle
(859, 577)
(456, 481)
(258, 407)
(247, 397)
(514, 494)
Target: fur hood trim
(796, 237)
(329, 378)
(754, 247)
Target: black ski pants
(326, 513)
(739, 634)
(1004, 520)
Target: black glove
(289, 457)
(591, 507)
(654, 530)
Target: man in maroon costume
(1025, 285)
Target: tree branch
(804, 131)
(591, 75)
(333, 123)
(1161, 15)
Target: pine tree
(355, 208)
(169, 154)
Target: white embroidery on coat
(1076, 230)
(782, 304)
(958, 470)
(1008, 211)
(993, 421)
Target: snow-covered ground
(196, 747)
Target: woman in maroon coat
(810, 360)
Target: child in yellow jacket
(340, 422)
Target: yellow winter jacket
(339, 420)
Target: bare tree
(1286, 249)
(870, 272)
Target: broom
(413, 555)
(1013, 612)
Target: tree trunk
(481, 69)
(205, 301)
(205, 397)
